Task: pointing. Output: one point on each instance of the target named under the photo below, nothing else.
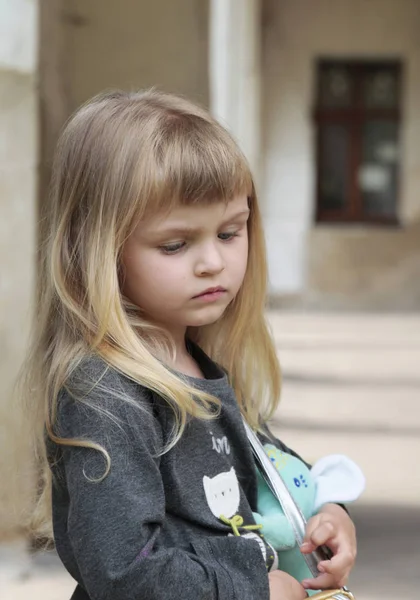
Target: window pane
(378, 171)
(334, 166)
(335, 87)
(381, 87)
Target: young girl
(150, 346)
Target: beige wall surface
(87, 47)
(135, 45)
(328, 263)
(18, 161)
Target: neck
(184, 362)
(178, 337)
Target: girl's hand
(285, 587)
(333, 527)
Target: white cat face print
(222, 493)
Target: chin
(207, 318)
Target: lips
(213, 290)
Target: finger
(340, 577)
(325, 532)
(322, 582)
(311, 526)
(341, 563)
(307, 547)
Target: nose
(210, 261)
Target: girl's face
(184, 268)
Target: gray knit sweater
(152, 528)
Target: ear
(337, 479)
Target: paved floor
(352, 385)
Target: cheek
(150, 276)
(240, 261)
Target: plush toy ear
(337, 479)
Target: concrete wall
(334, 264)
(135, 45)
(91, 46)
(18, 160)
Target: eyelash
(177, 247)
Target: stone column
(54, 91)
(18, 185)
(235, 71)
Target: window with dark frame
(358, 116)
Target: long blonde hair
(121, 157)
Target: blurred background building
(324, 97)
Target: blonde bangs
(191, 160)
(197, 162)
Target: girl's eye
(172, 248)
(225, 237)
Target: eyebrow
(187, 230)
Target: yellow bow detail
(237, 521)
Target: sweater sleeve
(114, 522)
